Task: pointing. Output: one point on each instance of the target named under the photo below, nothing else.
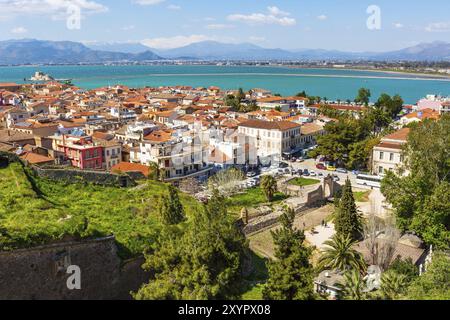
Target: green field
(303, 182)
(251, 198)
(361, 196)
(34, 211)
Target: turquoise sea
(330, 83)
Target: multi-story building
(272, 139)
(387, 156)
(79, 152)
(176, 155)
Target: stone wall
(40, 273)
(76, 176)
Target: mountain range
(31, 51)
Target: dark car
(321, 166)
(306, 172)
(283, 165)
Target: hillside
(30, 51)
(34, 211)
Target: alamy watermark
(374, 20)
(74, 280)
(73, 21)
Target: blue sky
(289, 24)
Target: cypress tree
(170, 209)
(347, 220)
(290, 275)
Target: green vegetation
(170, 209)
(251, 198)
(350, 140)
(352, 288)
(347, 219)
(202, 262)
(421, 200)
(303, 182)
(34, 211)
(269, 187)
(254, 283)
(434, 284)
(361, 196)
(291, 274)
(339, 254)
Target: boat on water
(43, 77)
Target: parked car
(341, 170)
(321, 166)
(251, 174)
(312, 174)
(283, 165)
(336, 178)
(306, 172)
(331, 168)
(320, 175)
(293, 159)
(299, 160)
(287, 170)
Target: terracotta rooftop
(400, 135)
(270, 125)
(131, 167)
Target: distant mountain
(125, 47)
(212, 50)
(30, 51)
(435, 51)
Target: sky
(287, 24)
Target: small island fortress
(40, 76)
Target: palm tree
(353, 286)
(393, 285)
(269, 187)
(339, 255)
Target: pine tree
(347, 219)
(170, 209)
(204, 262)
(290, 275)
(269, 187)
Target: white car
(312, 174)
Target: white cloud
(274, 16)
(148, 2)
(438, 27)
(19, 30)
(219, 26)
(322, 17)
(398, 25)
(174, 42)
(277, 12)
(173, 7)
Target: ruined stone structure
(41, 272)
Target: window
(380, 170)
(391, 157)
(381, 155)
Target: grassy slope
(35, 211)
(303, 182)
(251, 198)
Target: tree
(227, 182)
(302, 94)
(269, 187)
(347, 219)
(290, 275)
(421, 199)
(352, 287)
(434, 284)
(393, 285)
(405, 267)
(340, 255)
(363, 96)
(203, 262)
(170, 209)
(381, 239)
